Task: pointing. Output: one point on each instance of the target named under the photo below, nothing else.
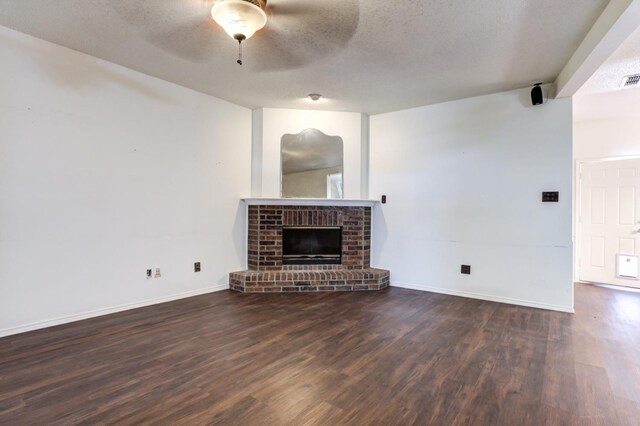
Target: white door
(609, 220)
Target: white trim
(614, 25)
(365, 148)
(481, 296)
(606, 159)
(106, 311)
(308, 202)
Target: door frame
(577, 203)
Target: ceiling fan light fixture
(240, 18)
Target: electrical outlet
(149, 273)
(157, 274)
(465, 269)
(196, 267)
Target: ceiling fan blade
(316, 7)
(194, 41)
(301, 32)
(271, 52)
(182, 28)
(285, 7)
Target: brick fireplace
(268, 274)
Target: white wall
(607, 124)
(464, 182)
(105, 172)
(607, 138)
(277, 122)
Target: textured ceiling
(366, 56)
(624, 61)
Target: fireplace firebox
(311, 245)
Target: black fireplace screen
(304, 245)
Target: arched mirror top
(311, 163)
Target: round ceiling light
(314, 96)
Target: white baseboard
(106, 311)
(481, 296)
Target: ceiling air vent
(630, 80)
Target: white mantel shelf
(308, 202)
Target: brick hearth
(267, 273)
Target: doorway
(609, 222)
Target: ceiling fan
(321, 25)
(296, 32)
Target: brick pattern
(265, 235)
(311, 280)
(266, 272)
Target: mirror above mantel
(311, 165)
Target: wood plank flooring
(383, 358)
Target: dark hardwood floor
(391, 357)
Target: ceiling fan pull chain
(240, 38)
